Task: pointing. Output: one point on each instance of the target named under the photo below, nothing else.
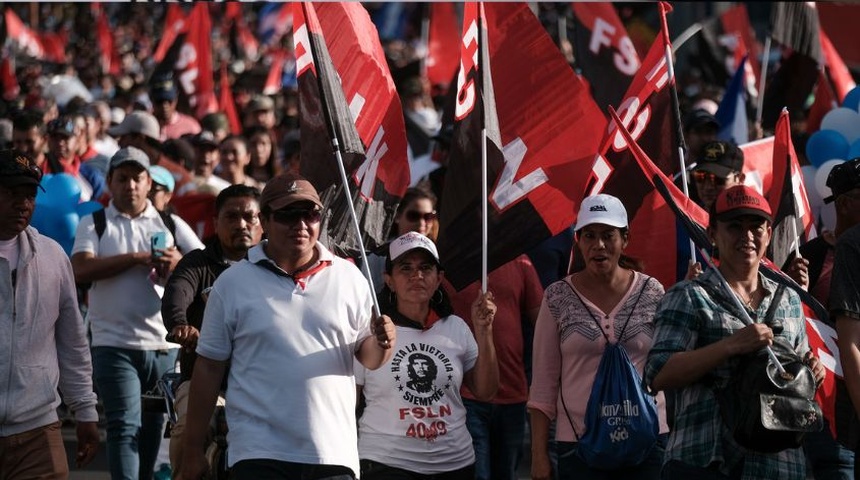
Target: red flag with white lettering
(542, 130)
(604, 53)
(345, 87)
(647, 111)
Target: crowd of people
(323, 378)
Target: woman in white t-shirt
(414, 422)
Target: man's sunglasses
(702, 177)
(291, 216)
(414, 216)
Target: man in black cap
(720, 166)
(700, 128)
(164, 97)
(844, 294)
(814, 270)
(63, 142)
(41, 327)
(260, 111)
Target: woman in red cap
(701, 337)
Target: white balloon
(845, 121)
(815, 199)
(821, 177)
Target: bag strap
(629, 314)
(720, 295)
(100, 222)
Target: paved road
(98, 469)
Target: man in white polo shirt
(130, 352)
(290, 320)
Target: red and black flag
(346, 94)
(108, 56)
(793, 224)
(795, 26)
(243, 43)
(722, 43)
(226, 101)
(8, 80)
(835, 67)
(443, 53)
(50, 47)
(174, 25)
(691, 217)
(189, 63)
(648, 111)
(604, 52)
(542, 131)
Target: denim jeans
(572, 466)
(133, 436)
(497, 435)
(827, 458)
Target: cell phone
(157, 243)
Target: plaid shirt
(689, 318)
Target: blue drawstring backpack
(621, 423)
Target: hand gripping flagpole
(658, 184)
(670, 67)
(365, 268)
(737, 302)
(335, 145)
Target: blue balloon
(87, 208)
(42, 193)
(853, 150)
(43, 219)
(852, 99)
(63, 191)
(825, 145)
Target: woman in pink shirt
(607, 301)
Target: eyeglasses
(701, 176)
(291, 216)
(414, 216)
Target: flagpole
(686, 35)
(660, 186)
(484, 193)
(673, 88)
(760, 100)
(425, 39)
(335, 145)
(737, 301)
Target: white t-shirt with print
(415, 418)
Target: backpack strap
(620, 336)
(100, 222)
(168, 221)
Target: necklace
(748, 301)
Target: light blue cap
(162, 176)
